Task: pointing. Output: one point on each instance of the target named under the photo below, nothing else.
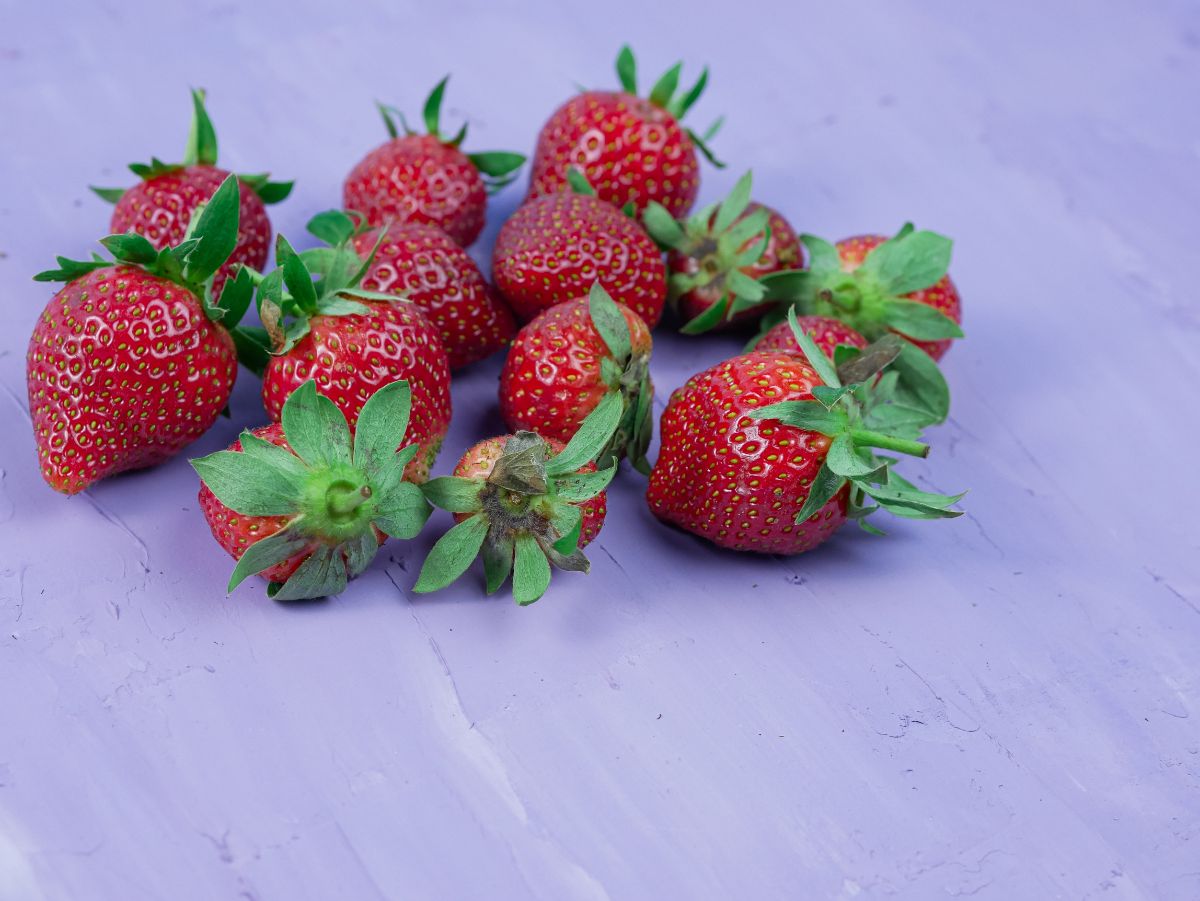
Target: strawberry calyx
(210, 239)
(664, 94)
(578, 182)
(723, 244)
(626, 372)
(872, 298)
(524, 516)
(201, 150)
(861, 407)
(336, 487)
(497, 168)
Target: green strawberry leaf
(497, 163)
(709, 319)
(497, 558)
(577, 488)
(531, 570)
(453, 493)
(249, 484)
(333, 227)
(845, 459)
(323, 574)
(236, 296)
(269, 192)
(627, 70)
(296, 275)
(734, 205)
(216, 227)
(131, 248)
(608, 320)
(274, 455)
(701, 142)
(804, 414)
(253, 347)
(315, 428)
(381, 427)
(578, 182)
(268, 552)
(112, 195)
(403, 510)
(202, 137)
(664, 88)
(359, 552)
(593, 435)
(566, 520)
(662, 227)
(433, 107)
(921, 384)
(792, 285)
(919, 321)
(744, 286)
(816, 357)
(453, 553)
(522, 466)
(680, 106)
(823, 257)
(909, 263)
(826, 484)
(862, 365)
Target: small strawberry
(876, 285)
(772, 452)
(351, 341)
(424, 264)
(568, 359)
(427, 178)
(304, 503)
(717, 256)
(525, 502)
(633, 150)
(553, 248)
(161, 206)
(828, 334)
(133, 359)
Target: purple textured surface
(1000, 706)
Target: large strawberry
(553, 248)
(568, 359)
(632, 149)
(351, 341)
(524, 502)
(876, 285)
(133, 358)
(424, 264)
(717, 256)
(426, 177)
(305, 503)
(161, 205)
(772, 452)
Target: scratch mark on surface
(17, 402)
(1161, 580)
(115, 520)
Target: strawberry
(632, 149)
(772, 452)
(349, 340)
(424, 264)
(717, 256)
(133, 359)
(427, 178)
(828, 334)
(876, 285)
(553, 248)
(162, 204)
(525, 502)
(306, 504)
(568, 359)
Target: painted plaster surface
(1005, 706)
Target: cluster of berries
(770, 451)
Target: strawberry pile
(360, 330)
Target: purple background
(999, 706)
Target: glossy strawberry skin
(479, 459)
(350, 357)
(417, 178)
(783, 251)
(124, 370)
(553, 248)
(737, 481)
(551, 378)
(160, 208)
(425, 264)
(235, 532)
(629, 149)
(826, 333)
(942, 295)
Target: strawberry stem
(344, 499)
(867, 438)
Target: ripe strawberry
(633, 150)
(568, 359)
(427, 178)
(877, 285)
(422, 263)
(828, 334)
(717, 256)
(553, 248)
(161, 205)
(306, 505)
(133, 359)
(351, 341)
(524, 502)
(769, 452)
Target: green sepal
(664, 88)
(269, 192)
(498, 549)
(679, 106)
(432, 110)
(577, 488)
(323, 574)
(296, 276)
(591, 438)
(627, 70)
(249, 484)
(610, 323)
(816, 357)
(112, 195)
(131, 248)
(253, 346)
(667, 233)
(315, 428)
(202, 137)
(452, 554)
(497, 163)
(707, 320)
(823, 257)
(531, 570)
(804, 414)
(453, 493)
(919, 321)
(701, 144)
(236, 296)
(824, 486)
(268, 552)
(403, 510)
(334, 227)
(846, 459)
(381, 426)
(910, 262)
(578, 182)
(274, 455)
(216, 228)
(734, 204)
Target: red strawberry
(553, 248)
(132, 360)
(767, 452)
(717, 256)
(351, 341)
(161, 205)
(568, 359)
(524, 502)
(427, 178)
(828, 334)
(422, 263)
(877, 285)
(633, 150)
(305, 504)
